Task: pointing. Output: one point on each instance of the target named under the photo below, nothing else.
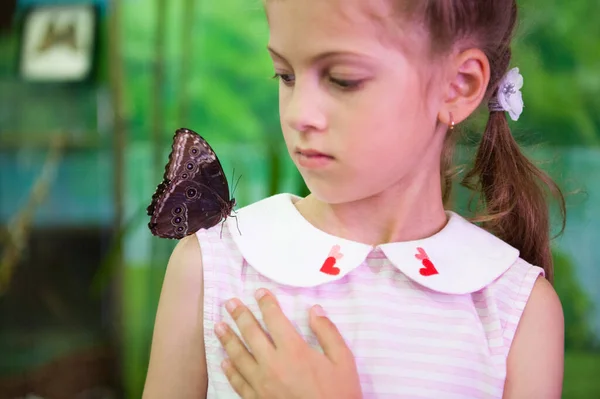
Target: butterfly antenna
(236, 184)
(232, 179)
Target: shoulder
(535, 361)
(184, 270)
(177, 366)
(187, 256)
(543, 312)
(269, 207)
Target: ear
(469, 79)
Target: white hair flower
(509, 97)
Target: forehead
(301, 27)
(350, 10)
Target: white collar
(280, 244)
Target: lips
(312, 159)
(309, 153)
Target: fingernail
(231, 305)
(220, 329)
(226, 364)
(260, 293)
(319, 311)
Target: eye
(346, 84)
(287, 79)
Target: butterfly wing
(194, 193)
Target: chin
(333, 193)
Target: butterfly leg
(236, 224)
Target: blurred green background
(80, 274)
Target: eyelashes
(285, 78)
(346, 85)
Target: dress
(431, 318)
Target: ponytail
(512, 194)
(511, 191)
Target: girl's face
(357, 107)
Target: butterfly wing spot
(178, 210)
(192, 193)
(191, 168)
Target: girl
(429, 304)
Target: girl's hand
(285, 366)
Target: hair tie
(508, 96)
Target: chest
(407, 341)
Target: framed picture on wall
(58, 43)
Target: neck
(403, 212)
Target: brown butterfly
(194, 193)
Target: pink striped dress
(432, 318)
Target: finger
(237, 381)
(329, 337)
(280, 327)
(252, 332)
(237, 352)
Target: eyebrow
(322, 56)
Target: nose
(303, 109)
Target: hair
(511, 190)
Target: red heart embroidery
(329, 267)
(428, 269)
(422, 255)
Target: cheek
(283, 100)
(400, 117)
(392, 101)
(283, 104)
(389, 137)
(387, 124)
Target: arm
(536, 357)
(177, 367)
